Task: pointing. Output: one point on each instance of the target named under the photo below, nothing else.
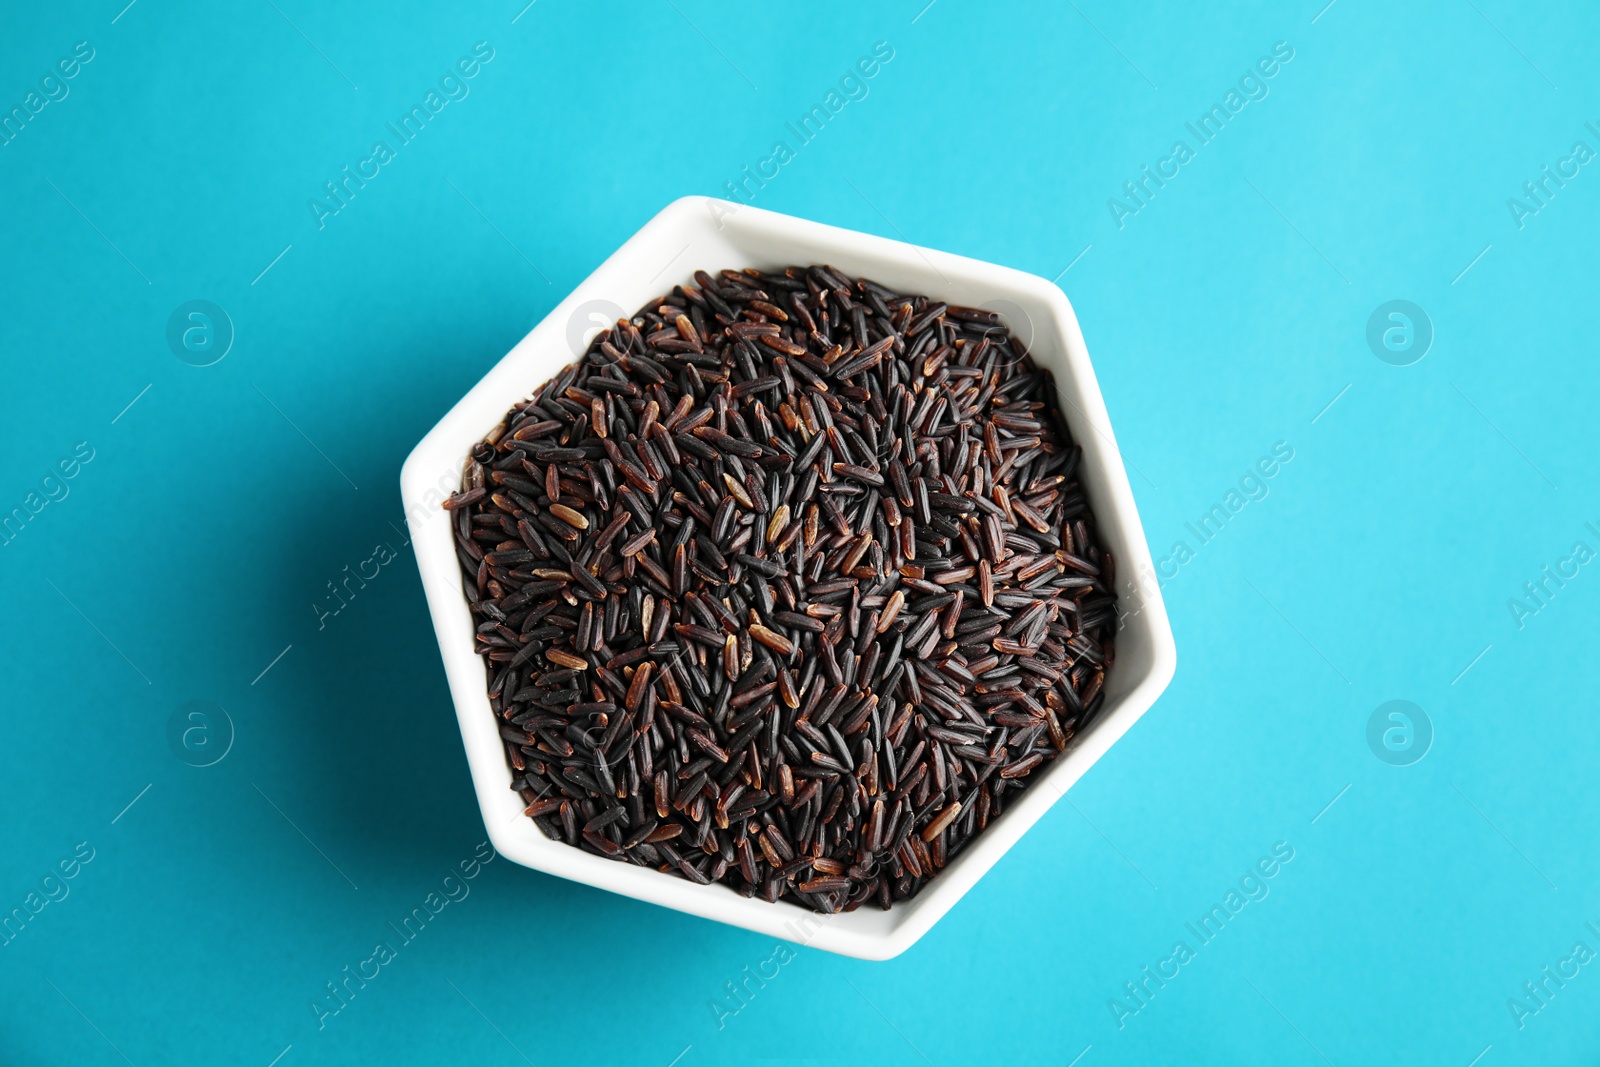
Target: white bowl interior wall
(698, 233)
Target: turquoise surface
(226, 788)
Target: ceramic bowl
(706, 233)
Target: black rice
(787, 583)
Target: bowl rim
(433, 469)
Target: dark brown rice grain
(786, 584)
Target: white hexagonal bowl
(704, 233)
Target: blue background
(1226, 315)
